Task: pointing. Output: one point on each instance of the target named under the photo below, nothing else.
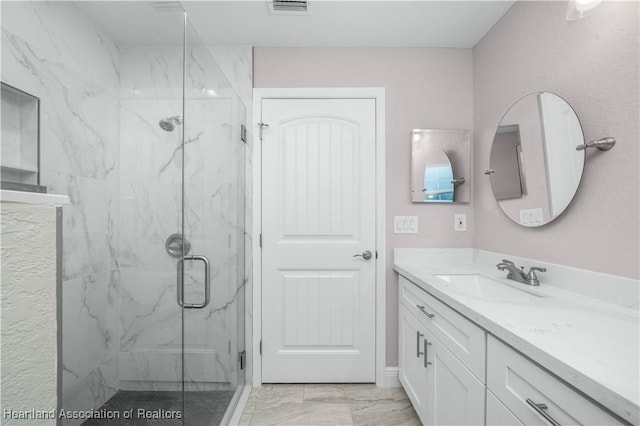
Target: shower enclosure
(141, 129)
(181, 231)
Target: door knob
(366, 255)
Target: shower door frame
(385, 376)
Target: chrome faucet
(519, 275)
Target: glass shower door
(213, 214)
(150, 228)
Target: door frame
(377, 94)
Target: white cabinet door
(455, 396)
(413, 374)
(318, 212)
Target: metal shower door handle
(207, 283)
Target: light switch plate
(405, 224)
(531, 217)
(460, 222)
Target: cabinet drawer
(515, 380)
(498, 414)
(461, 337)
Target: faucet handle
(532, 277)
(508, 262)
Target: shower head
(170, 123)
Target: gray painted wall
(425, 88)
(593, 64)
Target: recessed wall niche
(20, 149)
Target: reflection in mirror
(535, 169)
(505, 162)
(438, 178)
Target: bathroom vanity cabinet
(444, 359)
(442, 365)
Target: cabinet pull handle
(541, 409)
(426, 345)
(424, 311)
(418, 336)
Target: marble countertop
(591, 344)
(32, 197)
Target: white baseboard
(391, 379)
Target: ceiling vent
(289, 5)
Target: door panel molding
(377, 94)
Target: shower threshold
(142, 408)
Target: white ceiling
(329, 23)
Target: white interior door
(318, 211)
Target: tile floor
(328, 404)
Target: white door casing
(318, 211)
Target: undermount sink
(482, 287)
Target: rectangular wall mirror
(440, 166)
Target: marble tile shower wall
(53, 52)
(121, 211)
(151, 196)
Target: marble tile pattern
(236, 62)
(101, 145)
(151, 192)
(50, 50)
(328, 404)
(589, 343)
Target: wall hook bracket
(604, 144)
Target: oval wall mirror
(534, 167)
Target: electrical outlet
(460, 222)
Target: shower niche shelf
(20, 160)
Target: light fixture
(578, 9)
(209, 92)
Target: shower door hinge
(260, 240)
(260, 347)
(242, 357)
(243, 133)
(376, 254)
(262, 125)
